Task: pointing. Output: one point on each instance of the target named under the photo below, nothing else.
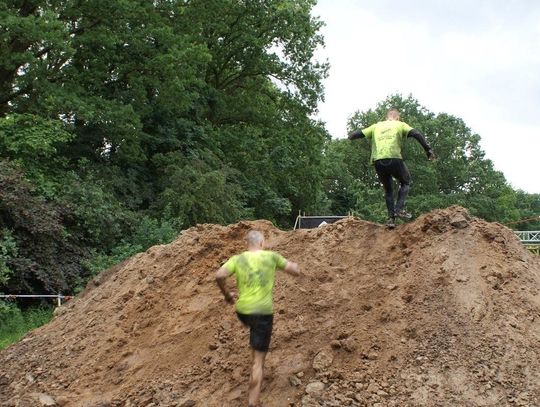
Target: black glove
(430, 154)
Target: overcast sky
(478, 60)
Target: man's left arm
(221, 277)
(422, 140)
(292, 268)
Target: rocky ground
(443, 311)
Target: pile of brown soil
(443, 311)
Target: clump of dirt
(443, 311)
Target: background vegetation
(14, 322)
(122, 123)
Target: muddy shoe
(404, 215)
(391, 223)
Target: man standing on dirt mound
(254, 271)
(386, 141)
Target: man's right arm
(353, 135)
(221, 276)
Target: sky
(477, 60)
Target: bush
(148, 232)
(15, 323)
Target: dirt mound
(443, 311)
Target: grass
(15, 323)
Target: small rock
(335, 344)
(59, 311)
(96, 281)
(44, 399)
(315, 388)
(459, 221)
(295, 381)
(373, 387)
(188, 403)
(462, 278)
(308, 401)
(373, 355)
(322, 361)
(62, 401)
(349, 345)
(150, 280)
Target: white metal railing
(59, 297)
(528, 236)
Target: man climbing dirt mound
(442, 311)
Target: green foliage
(8, 250)
(148, 232)
(198, 189)
(96, 215)
(251, 41)
(528, 206)
(32, 143)
(34, 47)
(15, 323)
(30, 137)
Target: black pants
(260, 330)
(393, 168)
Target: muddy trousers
(390, 168)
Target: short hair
(393, 111)
(254, 237)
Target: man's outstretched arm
(422, 140)
(292, 269)
(356, 134)
(221, 276)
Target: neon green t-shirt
(255, 272)
(386, 138)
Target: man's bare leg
(256, 378)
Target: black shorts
(260, 330)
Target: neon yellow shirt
(386, 138)
(255, 272)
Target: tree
(263, 84)
(32, 143)
(529, 208)
(37, 251)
